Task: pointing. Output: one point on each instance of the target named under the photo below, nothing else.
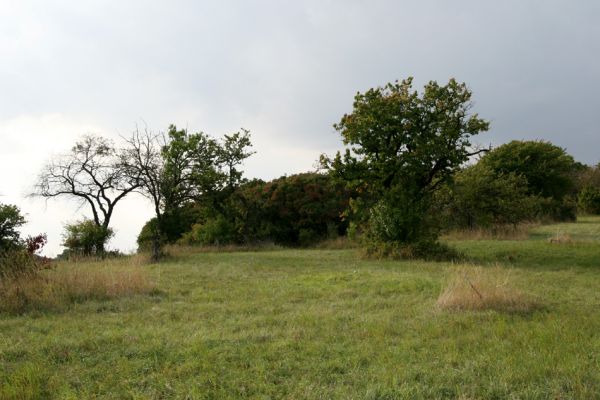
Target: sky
(285, 70)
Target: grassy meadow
(319, 324)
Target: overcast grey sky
(286, 70)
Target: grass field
(312, 324)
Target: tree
(402, 147)
(177, 168)
(10, 221)
(91, 173)
(588, 200)
(550, 172)
(477, 197)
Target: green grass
(311, 324)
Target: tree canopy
(549, 170)
(11, 220)
(402, 145)
(176, 168)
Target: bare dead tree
(142, 160)
(90, 173)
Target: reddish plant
(35, 244)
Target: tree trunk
(156, 252)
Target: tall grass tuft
(492, 288)
(71, 282)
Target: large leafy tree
(402, 145)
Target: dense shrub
(86, 238)
(482, 198)
(295, 210)
(175, 223)
(10, 221)
(292, 210)
(214, 231)
(588, 200)
(23, 261)
(549, 171)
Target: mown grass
(311, 324)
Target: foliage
(294, 210)
(179, 168)
(86, 238)
(23, 260)
(480, 198)
(214, 231)
(402, 147)
(174, 224)
(11, 220)
(547, 168)
(588, 200)
(18, 258)
(35, 244)
(588, 176)
(16, 263)
(550, 172)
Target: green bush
(482, 198)
(588, 200)
(215, 231)
(550, 172)
(296, 210)
(86, 238)
(10, 221)
(292, 210)
(175, 224)
(548, 169)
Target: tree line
(408, 172)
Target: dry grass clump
(498, 232)
(74, 282)
(561, 238)
(476, 288)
